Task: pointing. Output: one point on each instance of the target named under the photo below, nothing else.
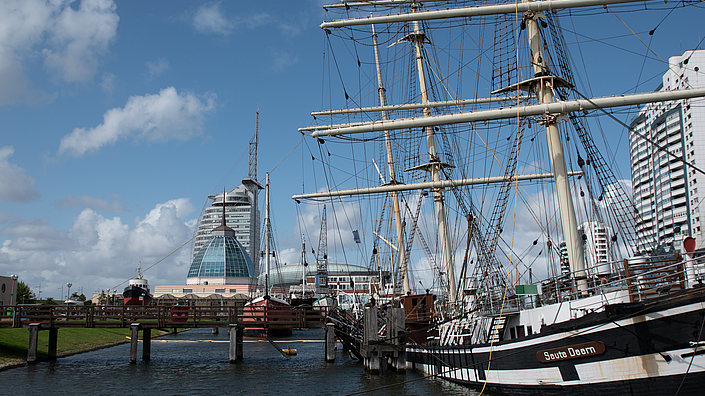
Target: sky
(119, 118)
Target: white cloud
(162, 117)
(79, 37)
(107, 82)
(209, 18)
(14, 184)
(182, 206)
(342, 219)
(16, 86)
(282, 60)
(71, 42)
(99, 252)
(161, 231)
(256, 20)
(87, 201)
(37, 236)
(156, 68)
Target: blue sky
(118, 119)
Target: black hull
(641, 387)
(134, 295)
(647, 350)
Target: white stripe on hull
(593, 329)
(622, 369)
(596, 371)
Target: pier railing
(56, 316)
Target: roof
(292, 273)
(222, 256)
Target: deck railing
(159, 316)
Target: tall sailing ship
(626, 321)
(274, 314)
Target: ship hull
(628, 349)
(272, 314)
(134, 295)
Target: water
(202, 369)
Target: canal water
(181, 366)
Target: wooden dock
(146, 318)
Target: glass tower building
(241, 215)
(221, 260)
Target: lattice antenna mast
(252, 173)
(322, 258)
(251, 183)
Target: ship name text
(571, 352)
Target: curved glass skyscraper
(241, 215)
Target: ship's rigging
(529, 142)
(460, 126)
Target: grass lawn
(14, 342)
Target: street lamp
(68, 294)
(13, 297)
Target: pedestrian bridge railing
(56, 316)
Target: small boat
(268, 310)
(137, 291)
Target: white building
(597, 246)
(8, 290)
(665, 190)
(242, 215)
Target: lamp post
(68, 294)
(13, 296)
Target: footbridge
(236, 318)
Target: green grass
(14, 342)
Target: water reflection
(202, 368)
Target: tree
(77, 297)
(25, 295)
(50, 301)
(102, 298)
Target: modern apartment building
(242, 215)
(597, 244)
(665, 189)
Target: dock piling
(33, 341)
(134, 335)
(370, 349)
(330, 342)
(398, 322)
(53, 341)
(391, 350)
(236, 333)
(146, 344)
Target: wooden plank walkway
(115, 316)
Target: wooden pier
(146, 318)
